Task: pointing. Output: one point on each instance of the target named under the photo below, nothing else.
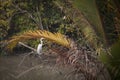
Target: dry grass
(83, 61)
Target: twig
(25, 11)
(24, 58)
(26, 71)
(26, 54)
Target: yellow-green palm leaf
(37, 34)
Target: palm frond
(36, 34)
(112, 60)
(91, 16)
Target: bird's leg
(39, 56)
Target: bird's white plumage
(39, 48)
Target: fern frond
(36, 34)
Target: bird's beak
(42, 38)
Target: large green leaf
(89, 9)
(112, 61)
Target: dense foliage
(91, 23)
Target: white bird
(39, 48)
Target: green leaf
(89, 9)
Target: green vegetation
(90, 23)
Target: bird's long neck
(41, 41)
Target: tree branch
(40, 20)
(27, 46)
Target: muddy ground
(13, 67)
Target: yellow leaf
(36, 34)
